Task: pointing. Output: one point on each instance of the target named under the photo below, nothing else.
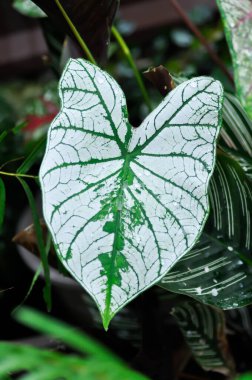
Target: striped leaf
(204, 330)
(123, 204)
(218, 270)
(236, 133)
(237, 19)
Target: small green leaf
(204, 330)
(236, 15)
(28, 8)
(123, 204)
(218, 269)
(2, 202)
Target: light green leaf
(28, 8)
(218, 270)
(236, 15)
(204, 330)
(39, 364)
(123, 204)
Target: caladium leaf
(218, 270)
(204, 330)
(123, 204)
(28, 8)
(91, 18)
(237, 19)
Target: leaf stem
(195, 30)
(17, 175)
(131, 61)
(77, 35)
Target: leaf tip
(106, 319)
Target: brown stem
(195, 30)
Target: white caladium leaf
(123, 204)
(237, 19)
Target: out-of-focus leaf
(2, 202)
(98, 362)
(28, 8)
(216, 271)
(92, 19)
(236, 15)
(204, 330)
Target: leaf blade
(111, 173)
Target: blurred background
(31, 61)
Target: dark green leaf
(218, 270)
(92, 19)
(204, 330)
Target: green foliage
(94, 362)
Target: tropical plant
(167, 203)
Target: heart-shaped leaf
(123, 204)
(237, 19)
(216, 271)
(91, 18)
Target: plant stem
(130, 59)
(18, 175)
(77, 35)
(195, 30)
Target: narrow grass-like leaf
(123, 204)
(218, 270)
(41, 244)
(2, 202)
(204, 330)
(237, 19)
(32, 157)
